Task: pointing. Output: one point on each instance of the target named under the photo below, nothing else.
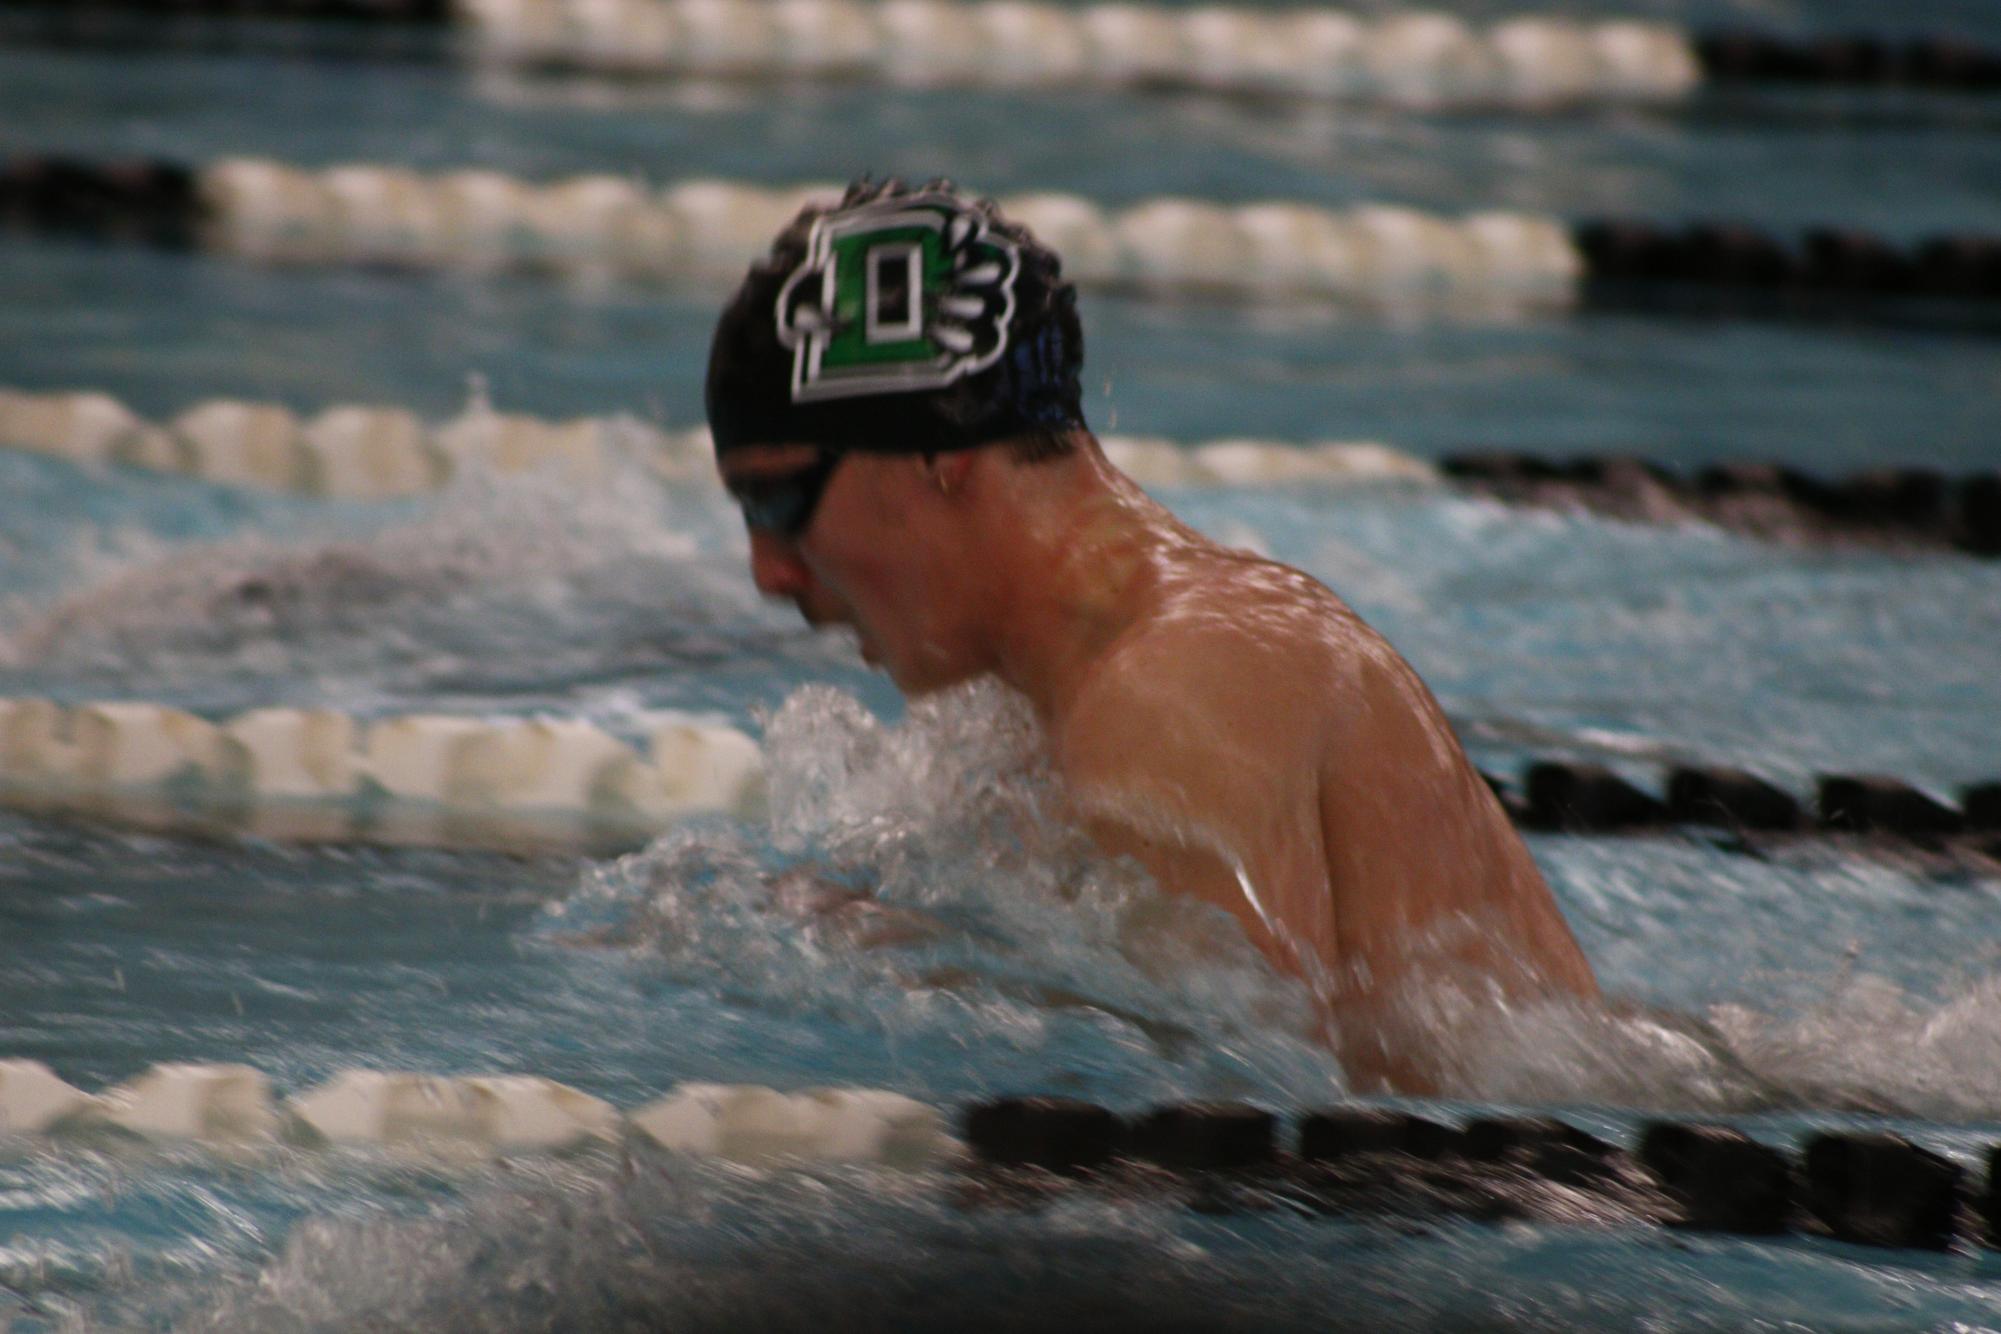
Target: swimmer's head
(856, 381)
(899, 321)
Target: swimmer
(894, 397)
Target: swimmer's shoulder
(1205, 673)
(1234, 610)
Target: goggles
(782, 504)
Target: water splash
(915, 882)
(656, 1243)
(599, 577)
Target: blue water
(1828, 976)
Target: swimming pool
(1834, 975)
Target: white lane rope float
(600, 228)
(469, 1118)
(611, 227)
(359, 452)
(1413, 57)
(1421, 59)
(321, 775)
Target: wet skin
(1223, 719)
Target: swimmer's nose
(776, 568)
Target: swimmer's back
(1253, 697)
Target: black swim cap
(898, 321)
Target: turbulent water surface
(997, 953)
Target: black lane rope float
(1870, 1188)
(1734, 268)
(404, 12)
(354, 32)
(1850, 60)
(1537, 59)
(1899, 507)
(1581, 797)
(397, 218)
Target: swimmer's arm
(1210, 818)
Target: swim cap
(898, 321)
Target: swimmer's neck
(1075, 554)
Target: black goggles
(783, 503)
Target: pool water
(1831, 977)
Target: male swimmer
(895, 403)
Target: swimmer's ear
(948, 472)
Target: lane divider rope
(610, 226)
(599, 227)
(320, 774)
(1900, 506)
(1562, 796)
(1870, 1188)
(368, 453)
(363, 452)
(230, 1107)
(1416, 59)
(1423, 58)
